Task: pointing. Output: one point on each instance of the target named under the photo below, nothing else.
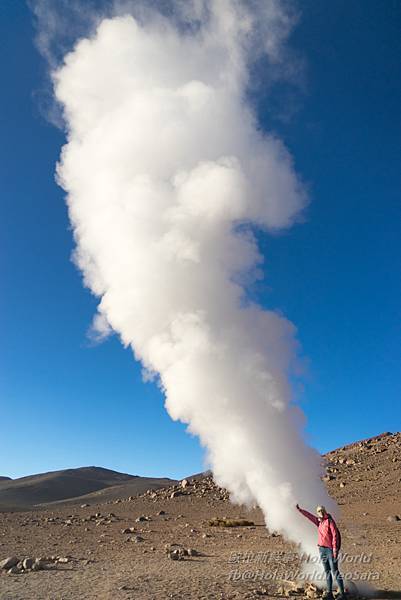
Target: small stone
(175, 494)
(141, 518)
(342, 484)
(38, 565)
(84, 505)
(137, 539)
(128, 530)
(161, 512)
(27, 563)
(192, 552)
(14, 570)
(63, 559)
(177, 554)
(9, 563)
(184, 483)
(393, 518)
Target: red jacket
(328, 535)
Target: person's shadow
(387, 594)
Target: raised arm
(308, 515)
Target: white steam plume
(166, 171)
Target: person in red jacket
(329, 541)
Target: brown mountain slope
(123, 490)
(56, 485)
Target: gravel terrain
(162, 544)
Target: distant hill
(73, 486)
(4, 478)
(58, 485)
(139, 485)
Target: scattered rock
(128, 530)
(177, 554)
(393, 518)
(27, 563)
(9, 563)
(184, 483)
(38, 565)
(14, 570)
(224, 522)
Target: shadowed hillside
(57, 485)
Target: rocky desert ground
(187, 541)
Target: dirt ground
(99, 561)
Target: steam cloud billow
(166, 171)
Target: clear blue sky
(336, 276)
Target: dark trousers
(330, 565)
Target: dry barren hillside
(188, 541)
(73, 485)
(47, 487)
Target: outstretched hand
(297, 506)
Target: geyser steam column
(166, 171)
